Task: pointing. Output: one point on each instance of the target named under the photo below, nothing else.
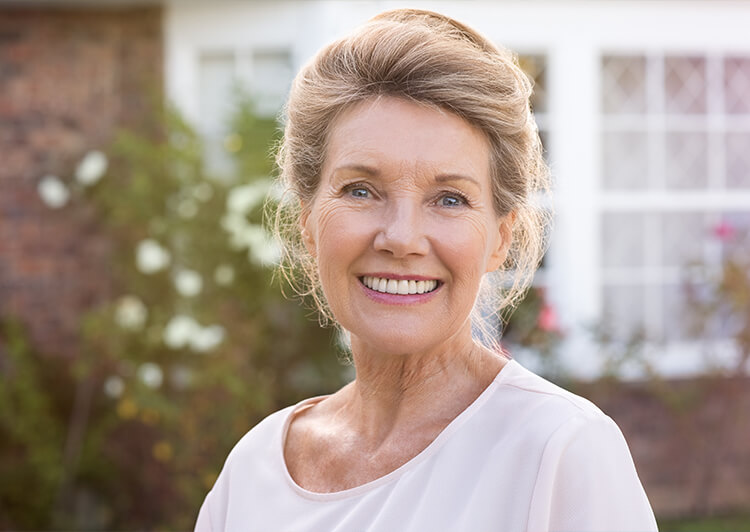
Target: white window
(675, 167)
(270, 77)
(217, 82)
(224, 76)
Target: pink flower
(547, 319)
(724, 231)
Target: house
(644, 108)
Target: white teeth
(392, 286)
(401, 287)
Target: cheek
(339, 232)
(468, 244)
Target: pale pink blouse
(526, 455)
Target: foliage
(196, 348)
(31, 431)
(534, 328)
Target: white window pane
(733, 231)
(623, 244)
(625, 159)
(624, 84)
(683, 238)
(215, 103)
(272, 74)
(738, 159)
(624, 309)
(216, 73)
(685, 84)
(737, 85)
(686, 159)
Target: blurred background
(142, 331)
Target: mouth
(404, 287)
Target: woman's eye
(452, 200)
(359, 192)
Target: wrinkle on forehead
(350, 141)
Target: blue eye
(452, 200)
(359, 192)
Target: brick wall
(690, 440)
(68, 78)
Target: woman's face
(402, 225)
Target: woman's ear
(306, 227)
(505, 238)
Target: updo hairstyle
(431, 59)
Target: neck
(395, 392)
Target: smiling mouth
(399, 286)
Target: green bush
(196, 348)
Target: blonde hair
(430, 59)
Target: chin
(401, 343)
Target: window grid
(667, 117)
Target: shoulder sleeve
(587, 482)
(203, 524)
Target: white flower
(91, 168)
(245, 198)
(130, 313)
(207, 338)
(203, 192)
(184, 331)
(114, 386)
(187, 208)
(224, 275)
(188, 283)
(179, 331)
(150, 374)
(234, 224)
(263, 248)
(53, 192)
(151, 256)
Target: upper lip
(400, 277)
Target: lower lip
(399, 299)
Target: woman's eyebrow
(374, 172)
(441, 178)
(359, 168)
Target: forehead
(396, 134)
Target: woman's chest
(322, 463)
(440, 495)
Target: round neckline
(423, 455)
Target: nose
(401, 231)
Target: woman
(414, 161)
